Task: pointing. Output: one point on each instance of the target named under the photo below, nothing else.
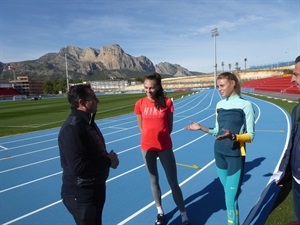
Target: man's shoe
(159, 219)
(185, 223)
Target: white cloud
(175, 31)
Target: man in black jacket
(290, 164)
(84, 158)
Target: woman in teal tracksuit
(234, 127)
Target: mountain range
(109, 62)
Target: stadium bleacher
(8, 92)
(273, 84)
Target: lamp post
(214, 34)
(67, 75)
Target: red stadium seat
(273, 84)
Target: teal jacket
(237, 115)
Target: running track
(30, 172)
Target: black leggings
(169, 164)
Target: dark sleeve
(286, 158)
(73, 141)
(285, 161)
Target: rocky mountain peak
(107, 62)
(174, 69)
(89, 55)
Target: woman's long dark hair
(160, 93)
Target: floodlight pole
(214, 34)
(67, 76)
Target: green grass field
(27, 116)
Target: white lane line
(30, 164)
(164, 195)
(31, 213)
(113, 178)
(34, 143)
(30, 182)
(140, 166)
(28, 153)
(29, 138)
(2, 148)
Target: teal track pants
(230, 171)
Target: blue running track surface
(30, 172)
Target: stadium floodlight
(67, 75)
(214, 34)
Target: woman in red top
(155, 119)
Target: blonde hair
(235, 78)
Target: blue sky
(174, 31)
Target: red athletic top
(155, 129)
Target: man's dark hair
(297, 59)
(76, 92)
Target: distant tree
(54, 86)
(141, 79)
(47, 87)
(229, 66)
(236, 66)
